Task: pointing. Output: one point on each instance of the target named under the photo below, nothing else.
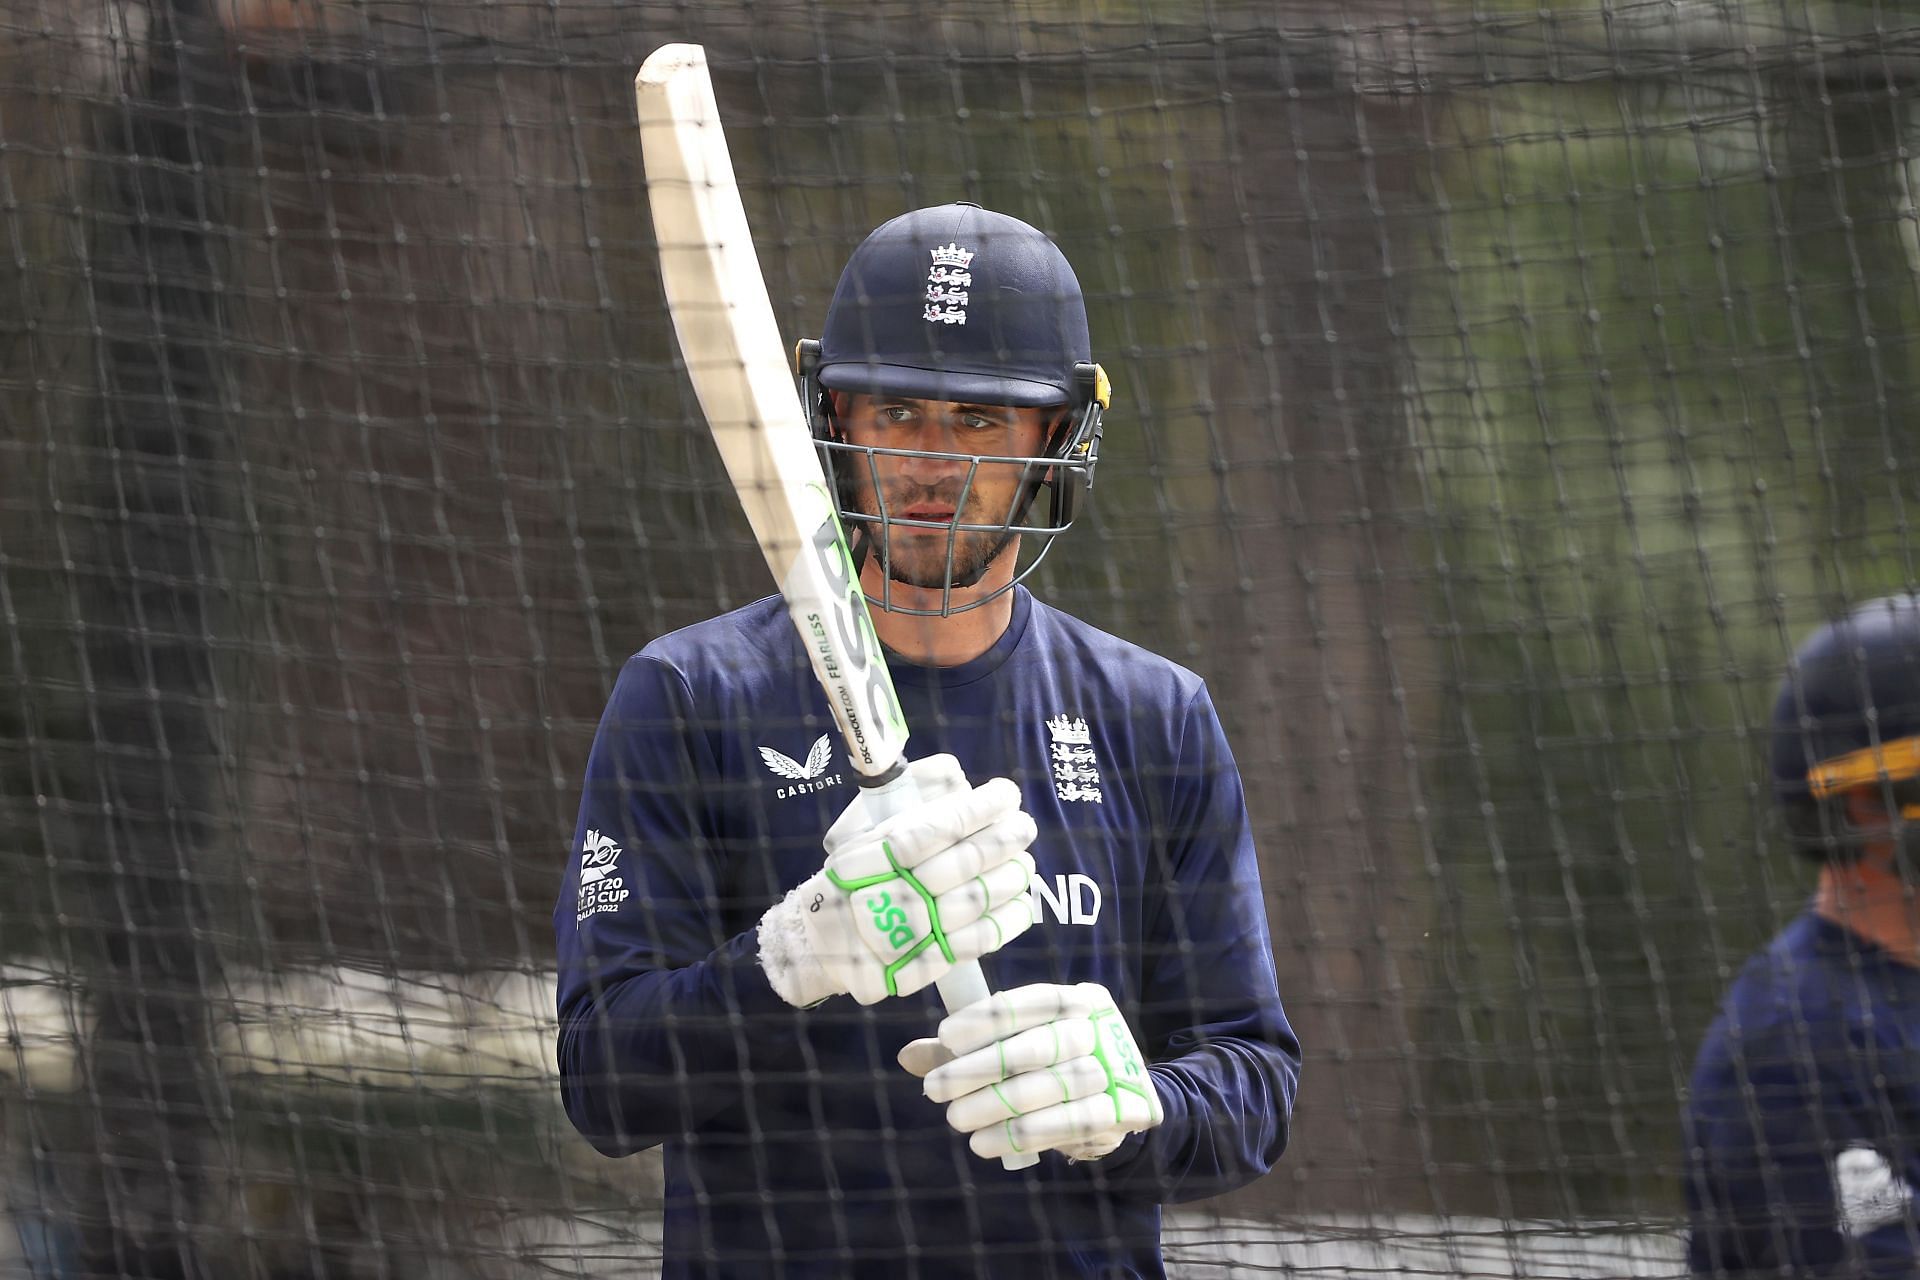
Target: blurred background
(1501, 391)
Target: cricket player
(733, 985)
(1803, 1127)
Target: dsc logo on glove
(889, 919)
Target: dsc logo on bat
(849, 651)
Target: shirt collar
(915, 676)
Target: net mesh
(1500, 393)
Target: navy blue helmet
(958, 303)
(1848, 716)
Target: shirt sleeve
(1797, 1160)
(657, 985)
(1224, 1059)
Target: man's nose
(934, 439)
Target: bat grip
(964, 984)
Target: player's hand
(1037, 1068)
(900, 903)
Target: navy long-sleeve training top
(795, 1144)
(1803, 1121)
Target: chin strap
(859, 544)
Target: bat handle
(889, 793)
(964, 984)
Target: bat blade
(731, 346)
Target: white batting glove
(899, 904)
(1037, 1068)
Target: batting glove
(900, 903)
(1037, 1068)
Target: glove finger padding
(1084, 1130)
(987, 892)
(897, 905)
(1034, 1091)
(934, 826)
(933, 778)
(982, 938)
(897, 911)
(1040, 1067)
(1027, 1051)
(977, 854)
(1007, 1013)
(885, 853)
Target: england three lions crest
(948, 285)
(1076, 769)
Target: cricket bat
(731, 346)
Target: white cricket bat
(733, 353)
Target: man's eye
(897, 413)
(978, 422)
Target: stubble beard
(916, 556)
(926, 568)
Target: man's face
(931, 489)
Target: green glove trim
(893, 970)
(1129, 1064)
(933, 912)
(845, 885)
(938, 934)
